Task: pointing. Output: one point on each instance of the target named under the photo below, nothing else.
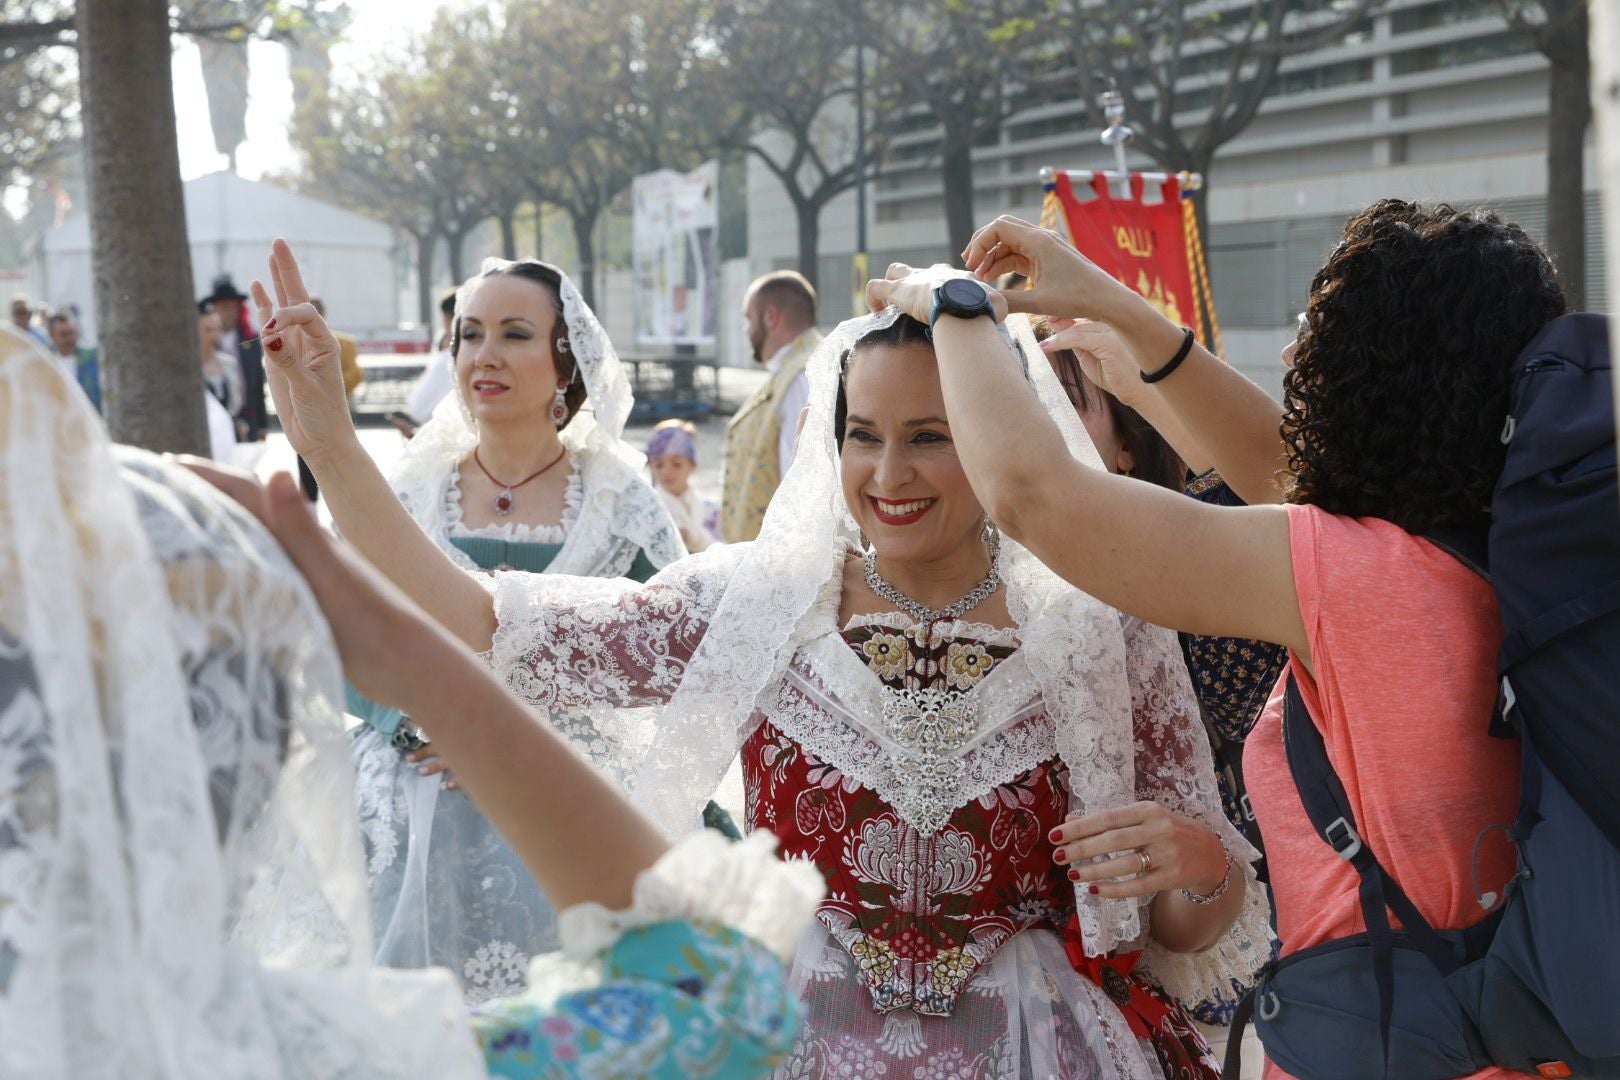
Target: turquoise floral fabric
(677, 1000)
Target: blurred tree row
(512, 104)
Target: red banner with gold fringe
(1152, 245)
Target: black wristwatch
(961, 297)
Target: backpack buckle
(1343, 838)
(1243, 804)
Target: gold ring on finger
(1147, 860)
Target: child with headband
(672, 459)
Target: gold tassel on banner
(1052, 213)
(1202, 294)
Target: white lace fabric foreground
(703, 878)
(180, 887)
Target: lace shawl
(620, 512)
(180, 884)
(748, 631)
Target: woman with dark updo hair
(1390, 428)
(522, 467)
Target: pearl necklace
(924, 615)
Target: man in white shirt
(780, 310)
(435, 382)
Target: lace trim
(514, 531)
(707, 878)
(858, 730)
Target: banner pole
(1117, 133)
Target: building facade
(1432, 100)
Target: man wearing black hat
(238, 338)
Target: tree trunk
(585, 245)
(426, 311)
(455, 238)
(507, 221)
(539, 232)
(809, 214)
(1569, 111)
(957, 170)
(145, 302)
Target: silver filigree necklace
(925, 615)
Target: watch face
(965, 293)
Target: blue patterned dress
(676, 1000)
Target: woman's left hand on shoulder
(1138, 850)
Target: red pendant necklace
(503, 501)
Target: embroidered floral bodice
(920, 771)
(920, 910)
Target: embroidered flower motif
(876, 960)
(621, 1012)
(497, 969)
(886, 655)
(558, 1027)
(953, 1064)
(951, 969)
(1019, 828)
(814, 806)
(855, 1059)
(966, 664)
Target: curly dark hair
(1395, 402)
(549, 278)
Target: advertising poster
(674, 233)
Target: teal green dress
(677, 1000)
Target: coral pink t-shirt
(1403, 639)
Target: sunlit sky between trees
(378, 26)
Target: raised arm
(1229, 418)
(304, 370)
(580, 838)
(1153, 553)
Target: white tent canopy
(347, 259)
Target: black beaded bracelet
(1175, 361)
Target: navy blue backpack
(1535, 986)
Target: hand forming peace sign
(302, 365)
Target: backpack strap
(1470, 545)
(1541, 630)
(1328, 807)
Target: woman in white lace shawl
(920, 758)
(522, 467)
(181, 890)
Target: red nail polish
(1074, 875)
(274, 346)
(1092, 889)
(269, 326)
(1056, 836)
(1059, 856)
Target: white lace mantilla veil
(618, 500)
(775, 593)
(181, 887)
